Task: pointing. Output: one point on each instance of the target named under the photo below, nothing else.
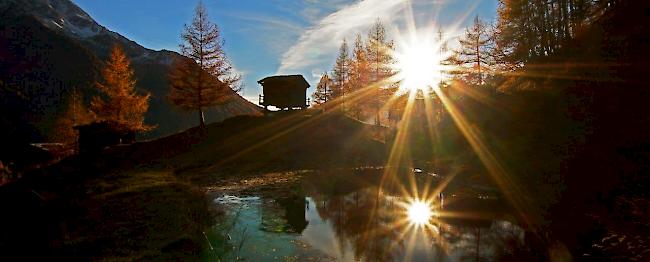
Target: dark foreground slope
(256, 144)
(92, 215)
(141, 201)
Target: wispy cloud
(269, 20)
(319, 42)
(314, 10)
(274, 31)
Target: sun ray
(514, 194)
(287, 125)
(396, 153)
(418, 61)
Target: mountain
(63, 16)
(52, 48)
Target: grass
(140, 214)
(143, 202)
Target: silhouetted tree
(206, 78)
(531, 29)
(323, 91)
(120, 102)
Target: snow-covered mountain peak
(66, 17)
(61, 15)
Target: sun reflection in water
(419, 213)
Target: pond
(358, 217)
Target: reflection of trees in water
(288, 215)
(474, 240)
(509, 241)
(294, 212)
(373, 225)
(364, 220)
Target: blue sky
(268, 37)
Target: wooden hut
(285, 92)
(96, 136)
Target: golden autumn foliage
(120, 102)
(323, 92)
(195, 89)
(204, 78)
(76, 114)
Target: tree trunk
(478, 58)
(201, 118)
(378, 117)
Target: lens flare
(419, 57)
(419, 213)
(418, 66)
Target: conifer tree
(75, 114)
(473, 54)
(323, 91)
(379, 54)
(359, 72)
(529, 29)
(444, 44)
(120, 102)
(340, 73)
(206, 77)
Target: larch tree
(473, 56)
(340, 72)
(323, 91)
(444, 43)
(359, 73)
(120, 103)
(379, 54)
(205, 77)
(529, 29)
(75, 114)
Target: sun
(418, 64)
(419, 213)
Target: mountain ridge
(34, 32)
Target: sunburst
(418, 62)
(419, 212)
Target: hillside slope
(48, 48)
(255, 144)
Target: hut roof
(110, 126)
(284, 80)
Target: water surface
(351, 219)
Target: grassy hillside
(141, 202)
(282, 141)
